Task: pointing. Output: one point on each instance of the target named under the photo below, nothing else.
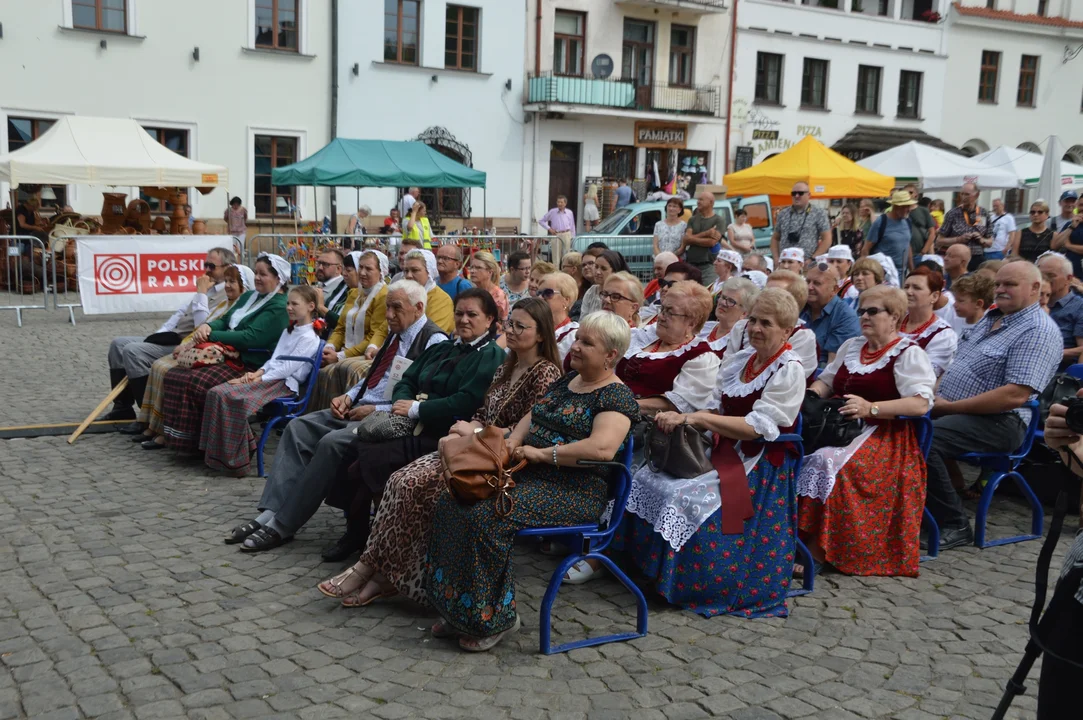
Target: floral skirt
(185, 391)
(468, 571)
(150, 407)
(870, 523)
(226, 437)
(336, 379)
(714, 574)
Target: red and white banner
(141, 273)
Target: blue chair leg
(1037, 513)
(267, 426)
(545, 624)
(808, 583)
(933, 536)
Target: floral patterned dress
(400, 531)
(468, 572)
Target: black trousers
(1059, 687)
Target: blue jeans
(990, 255)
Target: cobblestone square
(118, 599)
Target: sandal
(470, 643)
(582, 572)
(239, 533)
(353, 600)
(332, 587)
(264, 539)
(441, 629)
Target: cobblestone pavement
(119, 600)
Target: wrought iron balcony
(620, 94)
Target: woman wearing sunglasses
(860, 505)
(1036, 239)
(559, 292)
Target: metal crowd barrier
(638, 251)
(24, 275)
(65, 282)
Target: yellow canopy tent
(828, 174)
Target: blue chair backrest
(1075, 371)
(620, 485)
(1032, 431)
(923, 428)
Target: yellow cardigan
(375, 323)
(440, 309)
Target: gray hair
(365, 209)
(748, 290)
(228, 256)
(414, 291)
(1065, 263)
(611, 328)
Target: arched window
(1074, 154)
(446, 202)
(1029, 147)
(974, 146)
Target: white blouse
(566, 338)
(783, 385)
(302, 342)
(941, 349)
(914, 375)
(693, 387)
(803, 342)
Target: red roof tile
(1016, 17)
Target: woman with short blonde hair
(558, 290)
(484, 272)
(537, 274)
(697, 298)
(802, 338)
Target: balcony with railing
(692, 6)
(623, 95)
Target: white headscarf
(430, 265)
(891, 274)
(248, 277)
(756, 277)
(356, 257)
(355, 316)
(254, 302)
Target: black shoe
(119, 413)
(136, 428)
(342, 548)
(151, 445)
(956, 537)
(141, 438)
(241, 532)
(264, 539)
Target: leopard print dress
(403, 523)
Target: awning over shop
(866, 140)
(936, 169)
(828, 174)
(81, 150)
(378, 163)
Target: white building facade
(618, 88)
(448, 74)
(824, 67)
(1015, 75)
(245, 84)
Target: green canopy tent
(379, 163)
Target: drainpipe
(537, 37)
(729, 88)
(334, 105)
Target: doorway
(637, 60)
(564, 175)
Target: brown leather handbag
(476, 468)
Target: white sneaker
(582, 572)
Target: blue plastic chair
(1006, 465)
(591, 541)
(923, 428)
(289, 407)
(801, 551)
(1075, 371)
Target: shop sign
(663, 135)
(744, 158)
(765, 134)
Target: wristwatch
(874, 410)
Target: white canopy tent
(81, 150)
(936, 169)
(1027, 166)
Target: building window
(991, 4)
(1028, 81)
(868, 89)
(987, 81)
(1043, 7)
(21, 132)
(814, 84)
(272, 152)
(401, 19)
(177, 141)
(769, 78)
(909, 94)
(637, 53)
(682, 50)
(276, 24)
(461, 40)
(569, 33)
(106, 15)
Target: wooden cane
(98, 410)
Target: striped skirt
(334, 380)
(185, 391)
(226, 438)
(150, 408)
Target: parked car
(630, 230)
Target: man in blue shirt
(1002, 362)
(623, 194)
(890, 233)
(1065, 307)
(832, 321)
(449, 265)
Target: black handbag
(166, 339)
(681, 453)
(1061, 388)
(822, 425)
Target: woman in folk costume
(732, 303)
(238, 279)
(723, 542)
(922, 325)
(226, 438)
(361, 329)
(802, 339)
(861, 504)
(251, 326)
(727, 264)
(559, 291)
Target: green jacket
(256, 331)
(455, 389)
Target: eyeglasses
(445, 257)
(1038, 212)
(870, 311)
(614, 297)
(546, 293)
(798, 193)
(663, 283)
(726, 302)
(321, 263)
(668, 313)
(516, 328)
(209, 266)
